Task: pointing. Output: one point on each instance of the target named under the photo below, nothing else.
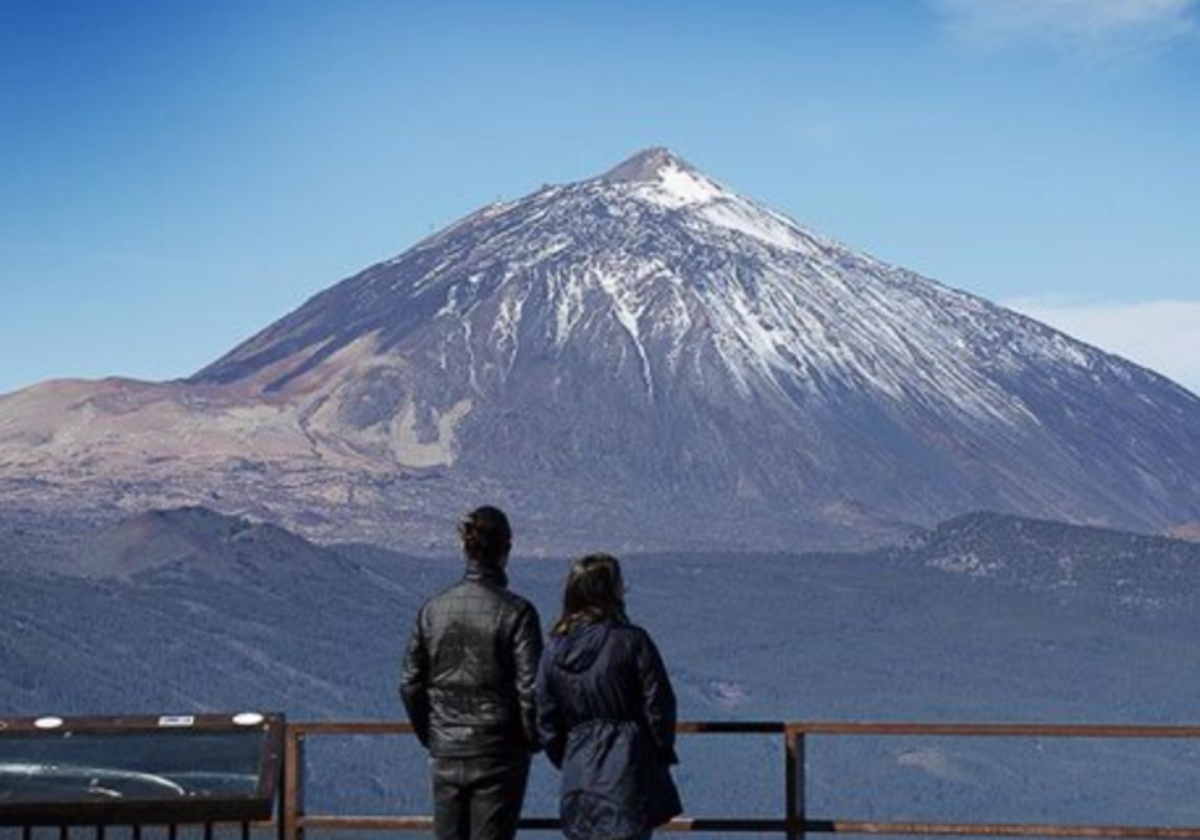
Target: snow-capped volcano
(648, 359)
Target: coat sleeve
(658, 698)
(414, 682)
(552, 728)
(527, 655)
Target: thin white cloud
(1163, 335)
(1097, 29)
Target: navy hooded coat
(606, 717)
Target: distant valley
(985, 618)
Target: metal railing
(795, 821)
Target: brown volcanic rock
(1187, 531)
(643, 360)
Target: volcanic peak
(647, 166)
(663, 178)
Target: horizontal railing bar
(382, 823)
(398, 728)
(734, 824)
(1028, 730)
(330, 823)
(121, 723)
(350, 728)
(749, 727)
(998, 829)
(297, 732)
(752, 825)
(257, 825)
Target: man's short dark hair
(486, 535)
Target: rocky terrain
(645, 360)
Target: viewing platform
(283, 770)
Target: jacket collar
(477, 571)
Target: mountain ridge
(628, 356)
(319, 635)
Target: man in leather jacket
(468, 686)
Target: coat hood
(576, 651)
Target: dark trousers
(478, 798)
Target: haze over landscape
(867, 338)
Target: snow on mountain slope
(650, 359)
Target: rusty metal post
(292, 819)
(795, 815)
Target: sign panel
(167, 769)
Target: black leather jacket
(469, 672)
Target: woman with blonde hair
(606, 712)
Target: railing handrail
(829, 727)
(795, 822)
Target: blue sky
(177, 174)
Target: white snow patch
(472, 379)
(508, 320)
(628, 308)
(568, 291)
(677, 187)
(743, 218)
(687, 186)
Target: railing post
(794, 799)
(292, 819)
